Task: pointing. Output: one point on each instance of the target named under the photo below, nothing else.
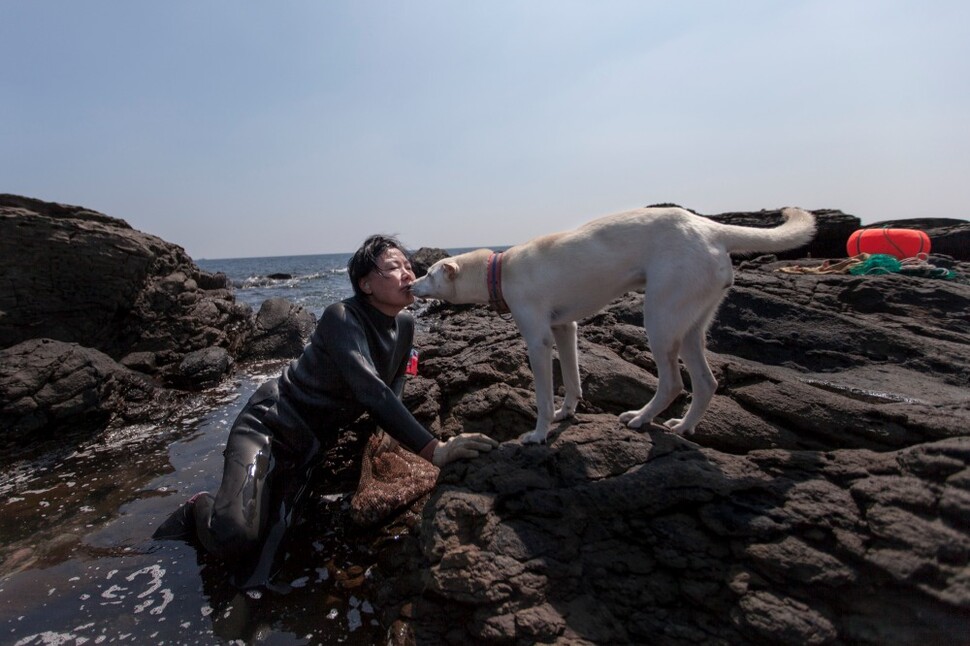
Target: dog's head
(439, 282)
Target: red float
(901, 243)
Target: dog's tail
(797, 230)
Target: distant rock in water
(280, 276)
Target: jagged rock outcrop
(825, 497)
(78, 276)
(90, 286)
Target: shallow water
(79, 565)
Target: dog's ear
(451, 270)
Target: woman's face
(388, 287)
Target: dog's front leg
(569, 365)
(540, 360)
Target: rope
(875, 264)
(919, 266)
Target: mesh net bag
(389, 481)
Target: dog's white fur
(679, 259)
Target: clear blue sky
(239, 129)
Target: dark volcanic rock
(611, 536)
(201, 369)
(50, 387)
(282, 329)
(825, 497)
(834, 228)
(424, 257)
(75, 275)
(948, 236)
(99, 292)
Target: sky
(242, 129)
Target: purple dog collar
(493, 280)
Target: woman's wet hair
(364, 260)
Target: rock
(624, 537)
(202, 369)
(50, 388)
(834, 228)
(97, 291)
(825, 497)
(948, 236)
(78, 276)
(424, 257)
(280, 276)
(281, 331)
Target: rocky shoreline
(825, 497)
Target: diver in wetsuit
(355, 363)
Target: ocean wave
(282, 280)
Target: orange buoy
(901, 243)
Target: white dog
(679, 259)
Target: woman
(355, 363)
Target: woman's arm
(346, 344)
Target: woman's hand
(466, 445)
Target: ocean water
(313, 281)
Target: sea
(78, 564)
(312, 281)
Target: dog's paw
(563, 413)
(678, 427)
(533, 437)
(631, 419)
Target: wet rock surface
(50, 388)
(825, 497)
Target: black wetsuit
(355, 362)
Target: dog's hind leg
(565, 336)
(669, 385)
(664, 330)
(702, 382)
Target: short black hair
(364, 260)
